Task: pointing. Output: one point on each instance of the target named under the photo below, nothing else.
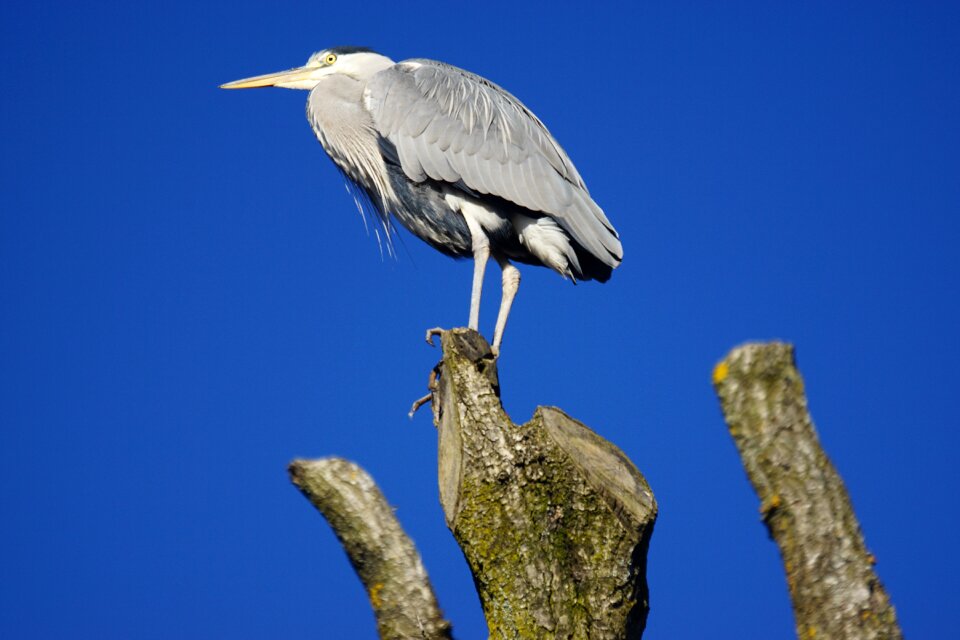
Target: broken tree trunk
(835, 592)
(553, 520)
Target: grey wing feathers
(450, 125)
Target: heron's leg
(480, 256)
(511, 283)
(481, 253)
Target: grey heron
(458, 161)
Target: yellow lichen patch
(811, 632)
(375, 595)
(771, 503)
(720, 372)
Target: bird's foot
(419, 402)
(436, 331)
(431, 386)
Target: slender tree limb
(384, 557)
(835, 592)
(553, 520)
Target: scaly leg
(511, 283)
(481, 253)
(480, 256)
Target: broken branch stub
(554, 521)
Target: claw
(431, 386)
(436, 331)
(419, 402)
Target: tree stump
(553, 520)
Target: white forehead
(353, 61)
(319, 58)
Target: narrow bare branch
(381, 552)
(835, 591)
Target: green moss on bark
(553, 520)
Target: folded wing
(449, 125)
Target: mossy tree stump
(553, 520)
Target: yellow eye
(330, 59)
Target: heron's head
(357, 62)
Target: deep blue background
(189, 300)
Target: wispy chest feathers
(347, 133)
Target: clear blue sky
(190, 300)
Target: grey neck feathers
(345, 129)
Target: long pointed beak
(271, 79)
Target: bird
(458, 161)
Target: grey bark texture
(381, 552)
(835, 591)
(553, 520)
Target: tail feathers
(592, 268)
(551, 245)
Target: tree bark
(553, 520)
(835, 592)
(379, 550)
